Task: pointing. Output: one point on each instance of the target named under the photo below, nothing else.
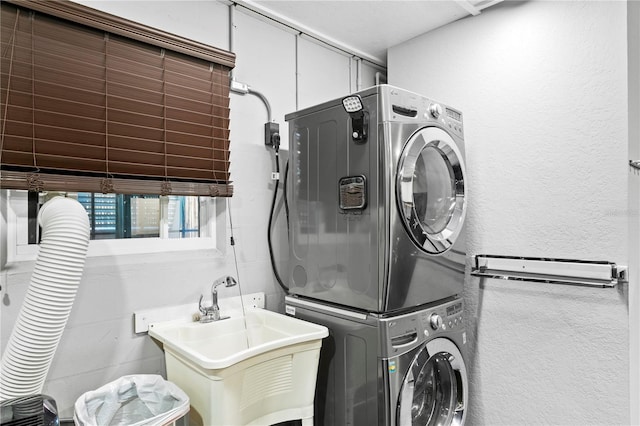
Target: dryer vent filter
(353, 193)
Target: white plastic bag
(137, 400)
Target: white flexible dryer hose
(46, 307)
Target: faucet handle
(204, 310)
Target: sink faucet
(212, 313)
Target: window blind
(95, 103)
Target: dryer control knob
(436, 321)
(435, 110)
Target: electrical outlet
(271, 131)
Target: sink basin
(257, 368)
(220, 344)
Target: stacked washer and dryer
(377, 254)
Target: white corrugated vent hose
(46, 307)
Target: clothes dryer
(377, 201)
(389, 370)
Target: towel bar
(554, 271)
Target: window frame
(14, 246)
(18, 249)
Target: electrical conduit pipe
(46, 307)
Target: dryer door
(434, 390)
(430, 189)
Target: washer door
(434, 391)
(430, 188)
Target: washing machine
(377, 201)
(396, 370)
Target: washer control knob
(436, 321)
(435, 110)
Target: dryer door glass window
(434, 191)
(430, 189)
(433, 391)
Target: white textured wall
(99, 345)
(543, 89)
(633, 25)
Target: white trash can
(136, 400)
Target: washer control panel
(455, 317)
(447, 317)
(404, 332)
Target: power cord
(275, 140)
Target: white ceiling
(366, 28)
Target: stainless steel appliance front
(377, 225)
(394, 370)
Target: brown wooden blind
(92, 110)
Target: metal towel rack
(554, 271)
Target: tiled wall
(99, 345)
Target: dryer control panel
(453, 121)
(408, 107)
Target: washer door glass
(433, 392)
(430, 189)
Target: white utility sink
(258, 368)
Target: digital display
(454, 309)
(454, 114)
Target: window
(122, 224)
(104, 109)
(118, 216)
